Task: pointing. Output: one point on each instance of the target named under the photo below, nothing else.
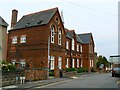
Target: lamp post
(48, 63)
(48, 56)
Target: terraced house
(73, 50)
(88, 53)
(40, 42)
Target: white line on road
(52, 84)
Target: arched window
(52, 33)
(73, 42)
(59, 37)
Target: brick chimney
(14, 17)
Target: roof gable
(86, 38)
(2, 22)
(35, 19)
(78, 39)
(71, 34)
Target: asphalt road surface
(103, 80)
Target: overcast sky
(100, 17)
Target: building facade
(73, 50)
(88, 54)
(3, 39)
(39, 42)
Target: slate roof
(70, 35)
(35, 19)
(2, 22)
(85, 37)
(78, 39)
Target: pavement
(33, 84)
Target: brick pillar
(56, 72)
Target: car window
(116, 69)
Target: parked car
(116, 71)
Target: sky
(99, 17)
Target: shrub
(51, 73)
(81, 69)
(70, 69)
(11, 67)
(4, 68)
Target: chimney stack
(14, 17)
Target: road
(103, 80)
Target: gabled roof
(2, 22)
(70, 34)
(35, 19)
(86, 37)
(78, 39)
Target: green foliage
(51, 73)
(11, 67)
(7, 66)
(102, 60)
(70, 69)
(4, 62)
(4, 68)
(79, 70)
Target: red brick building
(73, 50)
(88, 54)
(36, 40)
(40, 42)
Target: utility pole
(48, 65)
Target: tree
(102, 61)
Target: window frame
(52, 33)
(67, 45)
(23, 39)
(60, 62)
(14, 40)
(81, 63)
(52, 62)
(59, 36)
(73, 44)
(22, 63)
(81, 48)
(77, 47)
(73, 63)
(78, 63)
(67, 63)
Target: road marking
(52, 84)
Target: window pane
(52, 34)
(23, 39)
(14, 40)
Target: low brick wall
(69, 74)
(10, 78)
(8, 81)
(36, 75)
